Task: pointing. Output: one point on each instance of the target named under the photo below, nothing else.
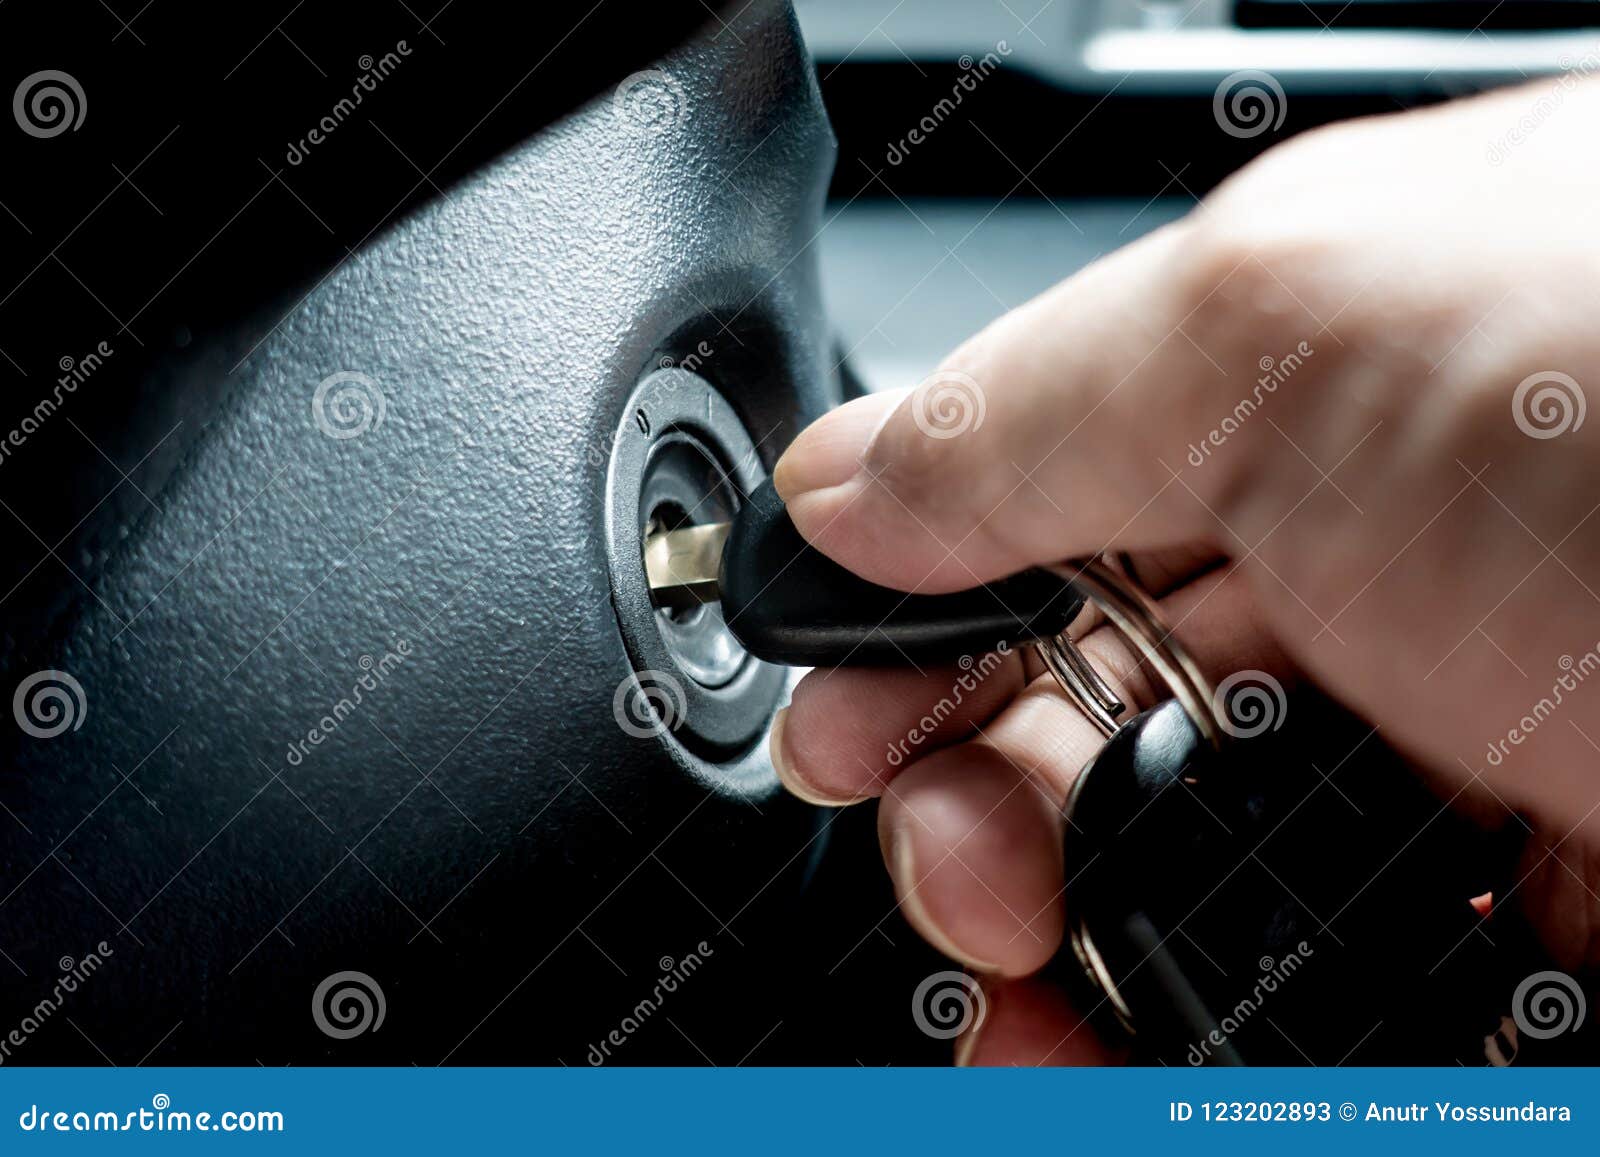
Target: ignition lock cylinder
(682, 460)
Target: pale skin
(1380, 525)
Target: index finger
(1055, 432)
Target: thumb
(1047, 436)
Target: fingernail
(783, 764)
(829, 452)
(907, 885)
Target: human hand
(1336, 415)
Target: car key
(1230, 900)
(1251, 905)
(789, 603)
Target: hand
(1336, 416)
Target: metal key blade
(681, 565)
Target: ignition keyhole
(686, 485)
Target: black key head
(786, 602)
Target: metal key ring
(1140, 621)
(1135, 615)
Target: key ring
(1140, 621)
(1136, 617)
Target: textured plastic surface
(480, 835)
(789, 603)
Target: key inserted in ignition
(787, 602)
(681, 565)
